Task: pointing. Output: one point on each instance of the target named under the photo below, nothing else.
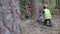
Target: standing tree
(10, 16)
(49, 1)
(35, 8)
(43, 1)
(58, 5)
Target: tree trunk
(10, 17)
(49, 1)
(42, 1)
(59, 11)
(35, 8)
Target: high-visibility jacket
(47, 14)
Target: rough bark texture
(35, 8)
(10, 17)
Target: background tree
(24, 8)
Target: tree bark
(35, 8)
(43, 1)
(10, 16)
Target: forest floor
(33, 27)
